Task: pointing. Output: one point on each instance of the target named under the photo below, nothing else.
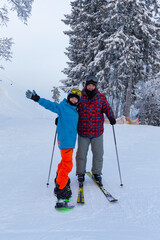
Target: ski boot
(81, 178)
(98, 179)
(56, 189)
(63, 198)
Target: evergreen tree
(55, 94)
(116, 40)
(23, 9)
(132, 49)
(149, 102)
(85, 27)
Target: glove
(112, 121)
(32, 95)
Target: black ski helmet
(74, 93)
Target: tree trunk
(128, 98)
(117, 107)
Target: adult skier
(91, 108)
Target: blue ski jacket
(67, 121)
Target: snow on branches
(23, 9)
(116, 40)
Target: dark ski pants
(97, 151)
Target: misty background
(38, 50)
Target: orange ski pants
(64, 167)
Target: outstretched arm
(52, 106)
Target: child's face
(73, 100)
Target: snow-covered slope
(27, 205)
(14, 104)
(8, 106)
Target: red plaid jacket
(91, 118)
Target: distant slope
(14, 104)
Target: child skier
(67, 132)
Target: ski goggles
(75, 91)
(91, 78)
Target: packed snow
(26, 204)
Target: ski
(109, 197)
(80, 198)
(64, 204)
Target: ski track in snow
(27, 205)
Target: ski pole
(51, 158)
(117, 156)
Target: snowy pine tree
(85, 27)
(132, 50)
(148, 104)
(55, 94)
(116, 40)
(23, 9)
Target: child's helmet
(74, 93)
